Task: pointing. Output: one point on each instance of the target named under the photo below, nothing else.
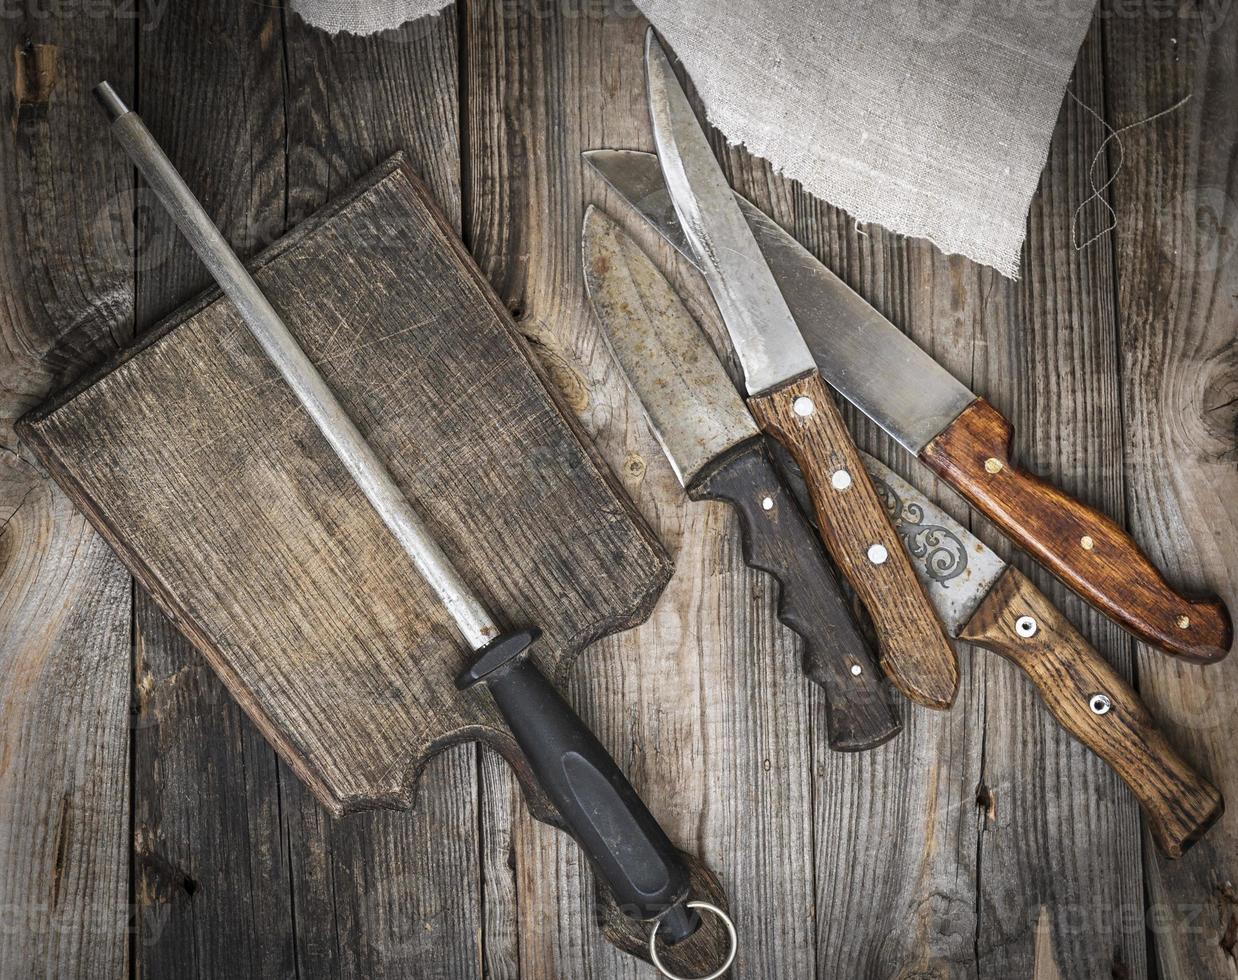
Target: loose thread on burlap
(1098, 190)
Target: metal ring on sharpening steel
(730, 957)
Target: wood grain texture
(1177, 304)
(65, 602)
(913, 649)
(1178, 803)
(704, 704)
(1085, 549)
(779, 540)
(211, 853)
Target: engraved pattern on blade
(871, 363)
(944, 556)
(955, 567)
(762, 329)
(690, 403)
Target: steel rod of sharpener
(362, 463)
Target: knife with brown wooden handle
(983, 600)
(790, 402)
(966, 441)
(718, 453)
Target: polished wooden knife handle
(778, 539)
(1081, 546)
(855, 527)
(1095, 705)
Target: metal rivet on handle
(803, 406)
(856, 670)
(767, 503)
(1100, 704)
(1184, 622)
(993, 465)
(1086, 542)
(1025, 626)
(877, 554)
(840, 480)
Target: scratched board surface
(195, 460)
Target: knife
(983, 600)
(958, 434)
(718, 453)
(625, 845)
(789, 400)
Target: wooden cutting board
(195, 461)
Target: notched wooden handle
(779, 540)
(915, 653)
(1081, 546)
(1094, 704)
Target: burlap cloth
(930, 117)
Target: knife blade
(627, 848)
(789, 401)
(984, 601)
(718, 453)
(881, 371)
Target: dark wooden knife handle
(1094, 704)
(854, 525)
(778, 539)
(1081, 546)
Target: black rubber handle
(779, 539)
(627, 848)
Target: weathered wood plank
(209, 856)
(1061, 856)
(1176, 251)
(64, 599)
(703, 705)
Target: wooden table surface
(146, 829)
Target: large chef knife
(876, 367)
(718, 453)
(628, 850)
(789, 400)
(985, 601)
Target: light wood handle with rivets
(1080, 545)
(914, 651)
(1094, 704)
